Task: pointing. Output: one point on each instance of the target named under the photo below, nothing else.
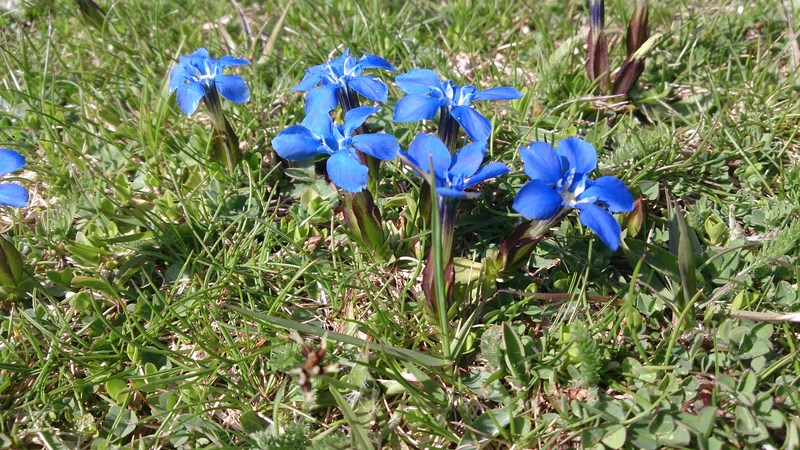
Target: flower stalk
(199, 77)
(516, 249)
(560, 182)
(439, 274)
(597, 58)
(637, 35)
(448, 177)
(338, 83)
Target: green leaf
(615, 436)
(705, 420)
(81, 301)
(684, 238)
(251, 422)
(87, 253)
(515, 357)
(115, 388)
(486, 426)
(98, 284)
(748, 382)
(658, 259)
(51, 442)
(120, 421)
(10, 264)
(358, 431)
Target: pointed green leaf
(358, 431)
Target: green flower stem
(226, 144)
(437, 278)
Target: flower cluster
(559, 178)
(346, 144)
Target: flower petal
(478, 128)
(230, 61)
(611, 192)
(12, 194)
(579, 155)
(425, 148)
(537, 201)
(375, 62)
(356, 117)
(602, 223)
(381, 146)
(455, 193)
(488, 171)
(199, 53)
(346, 171)
(233, 87)
(498, 93)
(10, 161)
(409, 160)
(177, 76)
(414, 107)
(371, 87)
(338, 63)
(322, 99)
(418, 81)
(297, 142)
(541, 162)
(188, 96)
(468, 160)
(320, 124)
(310, 79)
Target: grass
(162, 291)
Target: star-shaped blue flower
(317, 135)
(454, 173)
(195, 75)
(12, 194)
(559, 179)
(344, 73)
(426, 95)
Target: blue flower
(196, 75)
(454, 173)
(343, 73)
(426, 95)
(317, 135)
(12, 194)
(559, 180)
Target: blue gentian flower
(454, 173)
(196, 75)
(426, 95)
(342, 73)
(12, 194)
(317, 135)
(559, 180)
